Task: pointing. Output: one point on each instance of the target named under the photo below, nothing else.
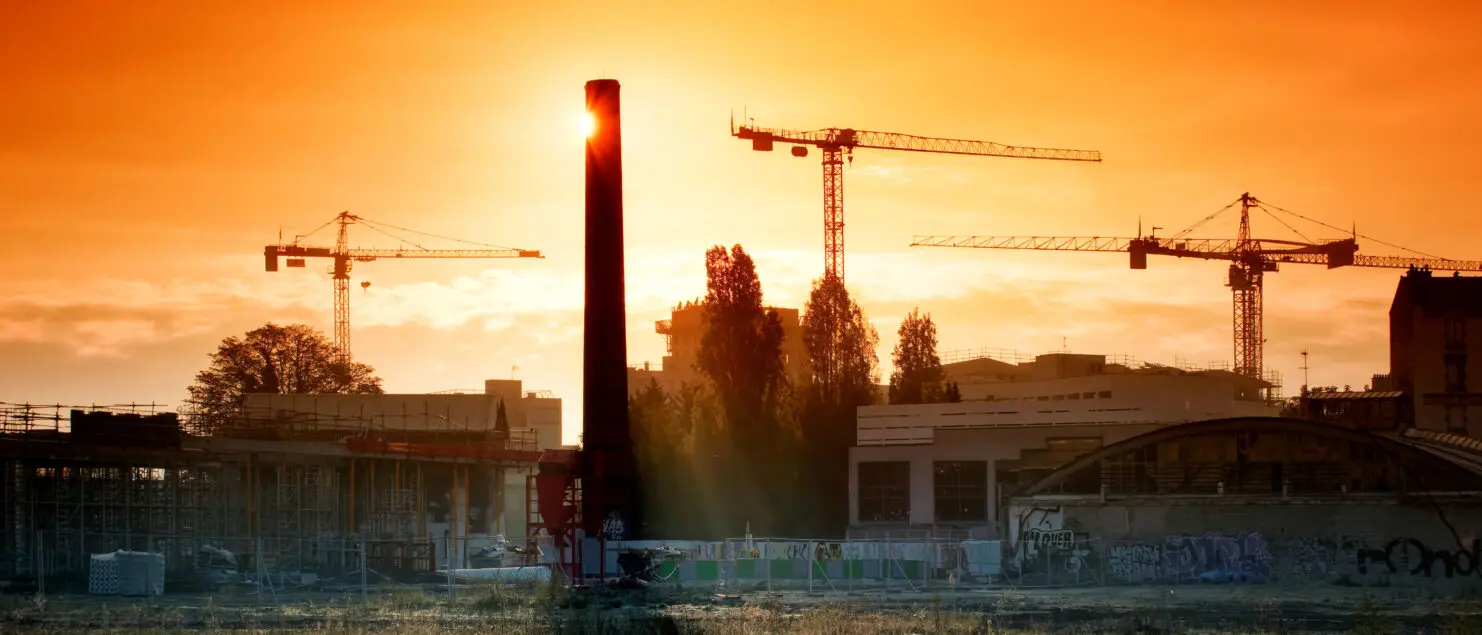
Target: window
(884, 491)
(961, 490)
(1088, 395)
(1105, 394)
(1456, 331)
(1456, 372)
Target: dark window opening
(1105, 394)
(1456, 332)
(884, 491)
(1456, 372)
(960, 491)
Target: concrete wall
(1355, 540)
(687, 326)
(377, 412)
(1427, 369)
(1113, 398)
(989, 445)
(544, 417)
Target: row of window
(1072, 396)
(959, 491)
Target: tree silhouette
(841, 346)
(741, 348)
(952, 394)
(293, 359)
(501, 419)
(741, 354)
(841, 350)
(917, 377)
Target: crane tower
(344, 257)
(839, 143)
(1250, 259)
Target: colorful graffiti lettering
(1215, 557)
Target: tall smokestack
(609, 483)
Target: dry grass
(522, 611)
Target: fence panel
(1055, 562)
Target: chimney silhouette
(609, 477)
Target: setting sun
(588, 123)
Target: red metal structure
(1250, 258)
(558, 490)
(344, 257)
(838, 143)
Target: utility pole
(1304, 371)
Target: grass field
(519, 611)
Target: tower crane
(838, 143)
(1250, 259)
(344, 258)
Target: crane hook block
(800, 151)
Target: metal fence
(266, 571)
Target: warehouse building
(1258, 499)
(942, 468)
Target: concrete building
(943, 467)
(534, 419)
(682, 334)
(1275, 500)
(1435, 330)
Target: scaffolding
(76, 482)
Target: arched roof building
(1257, 499)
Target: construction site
(1060, 470)
(294, 495)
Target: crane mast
(838, 144)
(343, 258)
(1250, 259)
(341, 275)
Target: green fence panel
(746, 569)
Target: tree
(952, 394)
(741, 354)
(741, 349)
(841, 350)
(271, 359)
(501, 419)
(917, 377)
(658, 453)
(841, 346)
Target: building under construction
(291, 490)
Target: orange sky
(149, 150)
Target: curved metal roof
(1464, 470)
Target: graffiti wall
(1211, 557)
(1303, 544)
(822, 562)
